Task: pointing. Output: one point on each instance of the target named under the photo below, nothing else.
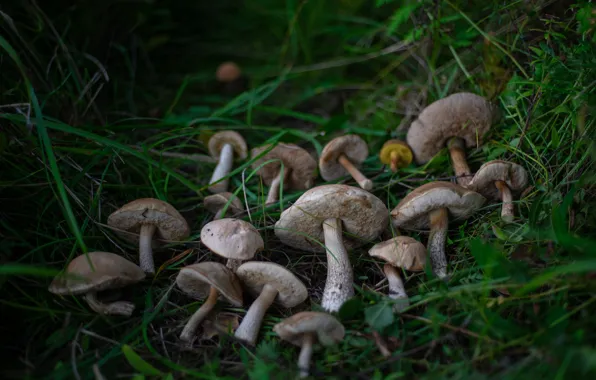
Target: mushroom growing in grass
(397, 154)
(497, 180)
(146, 219)
(307, 328)
(96, 272)
(216, 204)
(430, 206)
(207, 280)
(270, 283)
(316, 223)
(299, 168)
(341, 156)
(400, 252)
(458, 121)
(223, 146)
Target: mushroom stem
(273, 195)
(224, 165)
(305, 354)
(114, 308)
(397, 290)
(394, 160)
(364, 182)
(338, 287)
(219, 214)
(436, 241)
(457, 150)
(233, 264)
(145, 248)
(249, 328)
(507, 199)
(191, 326)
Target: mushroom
(428, 206)
(228, 72)
(307, 328)
(400, 252)
(149, 218)
(207, 280)
(340, 156)
(271, 283)
(223, 146)
(95, 272)
(319, 216)
(396, 153)
(234, 239)
(299, 168)
(496, 179)
(457, 121)
(216, 204)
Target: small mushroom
(307, 328)
(96, 272)
(315, 223)
(222, 147)
(496, 180)
(216, 204)
(299, 168)
(228, 72)
(396, 153)
(207, 280)
(400, 252)
(149, 218)
(457, 121)
(340, 157)
(234, 239)
(427, 207)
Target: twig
(448, 326)
(381, 345)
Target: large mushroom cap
(464, 115)
(514, 175)
(255, 275)
(196, 280)
(363, 217)
(109, 271)
(401, 251)
(302, 166)
(213, 203)
(218, 140)
(232, 238)
(352, 146)
(326, 328)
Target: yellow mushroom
(396, 153)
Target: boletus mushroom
(341, 156)
(223, 146)
(217, 204)
(397, 154)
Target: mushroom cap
(196, 280)
(325, 327)
(130, 217)
(352, 146)
(464, 115)
(110, 271)
(214, 203)
(514, 175)
(402, 252)
(412, 212)
(256, 274)
(218, 140)
(302, 166)
(232, 238)
(363, 216)
(404, 153)
(227, 72)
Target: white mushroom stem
(191, 326)
(223, 168)
(233, 264)
(145, 248)
(507, 199)
(363, 182)
(114, 308)
(457, 150)
(249, 328)
(273, 195)
(436, 241)
(219, 214)
(338, 287)
(305, 354)
(397, 290)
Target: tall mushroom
(271, 283)
(149, 218)
(458, 121)
(223, 146)
(341, 156)
(216, 204)
(315, 223)
(429, 206)
(396, 153)
(96, 272)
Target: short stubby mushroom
(271, 283)
(233, 239)
(223, 146)
(457, 121)
(341, 156)
(496, 180)
(429, 206)
(315, 223)
(400, 252)
(96, 272)
(307, 328)
(299, 168)
(149, 218)
(216, 204)
(397, 154)
(208, 281)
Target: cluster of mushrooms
(333, 219)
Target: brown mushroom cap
(232, 238)
(464, 115)
(352, 146)
(326, 328)
(514, 175)
(303, 167)
(196, 280)
(228, 72)
(214, 203)
(401, 251)
(363, 216)
(218, 140)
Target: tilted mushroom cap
(352, 146)
(255, 275)
(514, 175)
(363, 217)
(326, 328)
(412, 212)
(401, 251)
(465, 115)
(232, 238)
(110, 271)
(303, 167)
(401, 148)
(218, 140)
(215, 202)
(196, 280)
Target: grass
(92, 94)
